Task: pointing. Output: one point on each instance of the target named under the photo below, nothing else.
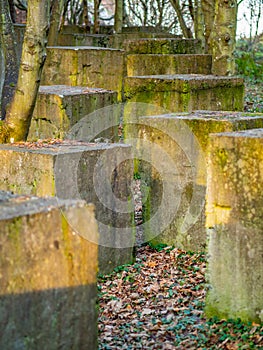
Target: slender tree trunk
(96, 16)
(12, 10)
(57, 8)
(208, 9)
(85, 14)
(10, 59)
(186, 31)
(18, 116)
(199, 23)
(64, 11)
(118, 17)
(191, 9)
(223, 37)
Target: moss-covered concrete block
(47, 274)
(163, 46)
(184, 93)
(158, 64)
(235, 227)
(60, 107)
(97, 173)
(84, 66)
(175, 172)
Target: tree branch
(186, 31)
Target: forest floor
(158, 302)
(254, 97)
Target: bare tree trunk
(118, 17)
(85, 14)
(186, 31)
(223, 37)
(208, 9)
(63, 18)
(18, 116)
(12, 10)
(96, 16)
(8, 44)
(57, 8)
(199, 23)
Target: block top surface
(243, 134)
(84, 48)
(188, 77)
(179, 82)
(88, 35)
(12, 205)
(175, 55)
(57, 147)
(67, 90)
(159, 41)
(207, 116)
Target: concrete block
(81, 39)
(235, 227)
(60, 107)
(47, 274)
(185, 93)
(175, 147)
(97, 173)
(104, 40)
(159, 64)
(119, 40)
(163, 46)
(84, 66)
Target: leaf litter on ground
(158, 303)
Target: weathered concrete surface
(163, 46)
(84, 66)
(235, 226)
(180, 178)
(81, 39)
(116, 40)
(59, 107)
(47, 274)
(159, 64)
(94, 172)
(183, 93)
(149, 30)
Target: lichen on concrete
(189, 149)
(158, 64)
(82, 66)
(67, 169)
(163, 46)
(46, 302)
(183, 93)
(60, 107)
(234, 218)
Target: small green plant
(137, 176)
(121, 268)
(159, 247)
